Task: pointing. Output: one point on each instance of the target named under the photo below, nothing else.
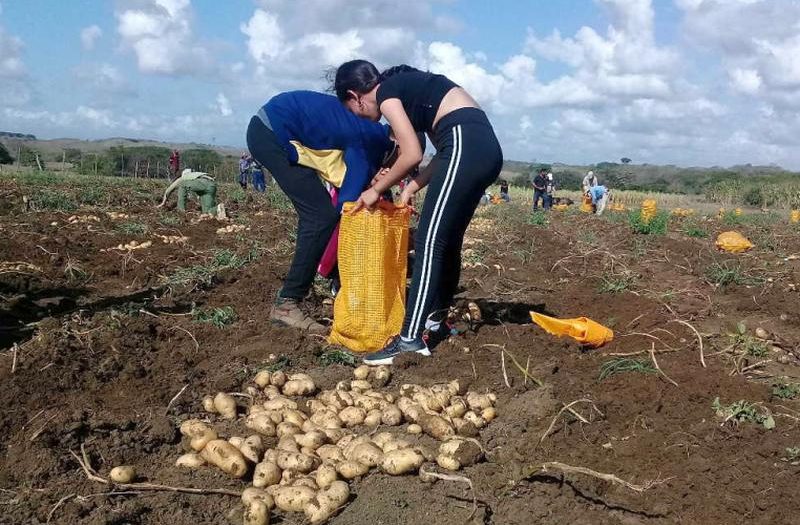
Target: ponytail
(402, 68)
(356, 75)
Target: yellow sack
(794, 217)
(582, 329)
(682, 212)
(733, 242)
(586, 205)
(648, 210)
(616, 206)
(560, 207)
(373, 255)
(737, 212)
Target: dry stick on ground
(58, 504)
(569, 407)
(699, 338)
(196, 344)
(171, 401)
(450, 477)
(653, 357)
(92, 475)
(651, 336)
(503, 366)
(567, 469)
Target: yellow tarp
(582, 329)
(373, 252)
(733, 242)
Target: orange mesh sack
(373, 254)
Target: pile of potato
(116, 215)
(304, 446)
(232, 228)
(130, 246)
(79, 219)
(173, 239)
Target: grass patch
(786, 390)
(587, 237)
(338, 357)
(792, 455)
(53, 200)
(91, 195)
(537, 218)
(219, 317)
(625, 364)
(656, 226)
(279, 364)
(695, 231)
(203, 274)
(744, 412)
(276, 199)
(615, 283)
(169, 220)
(726, 273)
(748, 344)
(132, 228)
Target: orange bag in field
(733, 242)
(373, 255)
(582, 329)
(648, 211)
(794, 217)
(586, 204)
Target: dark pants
(243, 179)
(539, 194)
(259, 184)
(316, 216)
(547, 202)
(468, 160)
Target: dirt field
(96, 344)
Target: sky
(684, 82)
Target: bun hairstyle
(361, 76)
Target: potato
(291, 415)
(478, 402)
(256, 513)
(265, 474)
(287, 429)
(411, 410)
(208, 405)
(293, 499)
(252, 391)
(325, 475)
(262, 378)
(367, 453)
(373, 418)
(315, 405)
(488, 414)
(252, 448)
(251, 494)
(277, 379)
(326, 419)
(457, 387)
(288, 477)
(308, 451)
(370, 403)
(447, 462)
(327, 502)
(334, 434)
(272, 391)
(457, 407)
(381, 376)
(475, 419)
(391, 416)
(226, 457)
(342, 386)
(298, 387)
(312, 440)
(122, 474)
(288, 444)
(414, 429)
(352, 416)
(351, 469)
(361, 372)
(279, 403)
(225, 405)
(330, 453)
(296, 461)
(190, 460)
(458, 453)
(465, 428)
(271, 455)
(261, 423)
(436, 426)
(360, 385)
(382, 438)
(395, 444)
(199, 433)
(401, 461)
(305, 481)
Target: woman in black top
(468, 160)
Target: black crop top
(421, 94)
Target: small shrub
(744, 412)
(696, 232)
(726, 273)
(338, 357)
(619, 365)
(132, 228)
(537, 218)
(219, 317)
(656, 226)
(53, 200)
(786, 390)
(615, 283)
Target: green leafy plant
(792, 455)
(169, 220)
(743, 412)
(337, 357)
(537, 218)
(132, 228)
(786, 390)
(279, 364)
(615, 283)
(219, 317)
(53, 200)
(656, 226)
(696, 232)
(726, 273)
(747, 344)
(624, 364)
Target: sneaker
(287, 312)
(394, 348)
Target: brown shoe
(287, 312)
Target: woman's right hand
(368, 199)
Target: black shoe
(394, 348)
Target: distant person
(174, 164)
(201, 184)
(589, 181)
(259, 184)
(550, 188)
(244, 170)
(485, 199)
(539, 188)
(599, 196)
(504, 191)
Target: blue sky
(686, 82)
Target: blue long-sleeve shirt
(320, 123)
(597, 193)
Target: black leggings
(316, 216)
(468, 160)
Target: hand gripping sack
(373, 254)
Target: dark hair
(356, 75)
(361, 76)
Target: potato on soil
(262, 378)
(313, 439)
(352, 416)
(291, 415)
(261, 423)
(381, 376)
(208, 405)
(251, 494)
(367, 453)
(326, 419)
(225, 405)
(256, 513)
(190, 460)
(278, 378)
(391, 416)
(351, 469)
(330, 453)
(305, 481)
(325, 475)
(458, 453)
(436, 426)
(475, 419)
(288, 444)
(360, 385)
(478, 402)
(488, 414)
(293, 499)
(361, 372)
(287, 429)
(395, 444)
(122, 474)
(295, 461)
(265, 474)
(252, 448)
(226, 457)
(401, 461)
(414, 429)
(373, 418)
(381, 438)
(327, 502)
(199, 433)
(298, 387)
(279, 403)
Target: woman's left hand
(368, 199)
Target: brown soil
(102, 351)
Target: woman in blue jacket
(300, 136)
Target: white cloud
(161, 36)
(745, 80)
(15, 87)
(102, 77)
(223, 105)
(89, 36)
